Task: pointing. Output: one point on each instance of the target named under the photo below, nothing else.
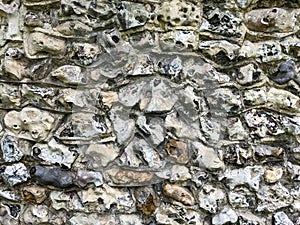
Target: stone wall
(149, 112)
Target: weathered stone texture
(149, 112)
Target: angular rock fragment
(67, 200)
(132, 15)
(14, 63)
(11, 149)
(94, 200)
(130, 94)
(69, 75)
(207, 157)
(242, 197)
(268, 51)
(219, 47)
(10, 195)
(226, 215)
(84, 53)
(34, 194)
(71, 28)
(15, 174)
(294, 171)
(181, 40)
(147, 201)
(223, 24)
(54, 153)
(235, 129)
(250, 176)
(10, 95)
(54, 176)
(100, 155)
(264, 153)
(38, 43)
(211, 198)
(250, 218)
(123, 125)
(14, 210)
(263, 123)
(176, 215)
(178, 151)
(145, 151)
(162, 97)
(249, 74)
(283, 99)
(224, 100)
(271, 198)
(153, 128)
(181, 128)
(39, 214)
(280, 218)
(84, 126)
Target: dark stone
(285, 73)
(54, 176)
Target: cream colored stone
(273, 174)
(39, 43)
(179, 194)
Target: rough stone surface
(149, 112)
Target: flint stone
(207, 157)
(15, 174)
(226, 215)
(250, 176)
(11, 149)
(280, 218)
(271, 198)
(54, 176)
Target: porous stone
(174, 13)
(30, 123)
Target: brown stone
(179, 194)
(178, 151)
